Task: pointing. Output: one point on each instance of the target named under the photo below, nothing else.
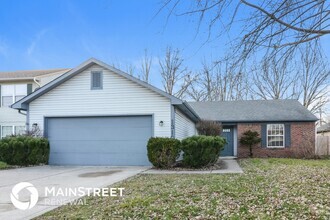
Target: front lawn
(3, 165)
(269, 189)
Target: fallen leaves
(268, 189)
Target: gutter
(191, 110)
(15, 79)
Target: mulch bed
(219, 165)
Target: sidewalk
(230, 166)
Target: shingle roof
(253, 110)
(323, 128)
(29, 74)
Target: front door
(228, 134)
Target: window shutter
(0, 104)
(287, 134)
(29, 89)
(264, 135)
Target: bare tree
(130, 69)
(202, 89)
(175, 78)
(219, 81)
(146, 66)
(274, 25)
(196, 92)
(315, 79)
(228, 82)
(273, 80)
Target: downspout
(20, 112)
(36, 81)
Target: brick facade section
(302, 141)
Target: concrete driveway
(60, 178)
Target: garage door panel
(116, 141)
(102, 159)
(101, 134)
(101, 146)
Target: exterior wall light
(161, 123)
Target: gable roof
(29, 74)
(324, 128)
(23, 103)
(253, 111)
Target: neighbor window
(6, 131)
(20, 92)
(12, 93)
(275, 135)
(97, 80)
(19, 130)
(12, 130)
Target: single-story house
(96, 114)
(286, 127)
(324, 130)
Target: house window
(12, 130)
(275, 135)
(20, 92)
(6, 131)
(19, 130)
(12, 93)
(96, 80)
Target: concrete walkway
(60, 177)
(230, 166)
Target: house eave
(82, 67)
(261, 121)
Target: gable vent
(97, 80)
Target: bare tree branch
(175, 78)
(146, 66)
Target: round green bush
(6, 152)
(201, 151)
(20, 153)
(24, 150)
(163, 152)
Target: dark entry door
(228, 134)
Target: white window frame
(13, 129)
(274, 135)
(14, 93)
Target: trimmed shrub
(201, 151)
(163, 152)
(6, 152)
(19, 153)
(209, 128)
(24, 150)
(250, 138)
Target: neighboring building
(324, 130)
(98, 115)
(13, 87)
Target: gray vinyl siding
(119, 96)
(184, 127)
(11, 117)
